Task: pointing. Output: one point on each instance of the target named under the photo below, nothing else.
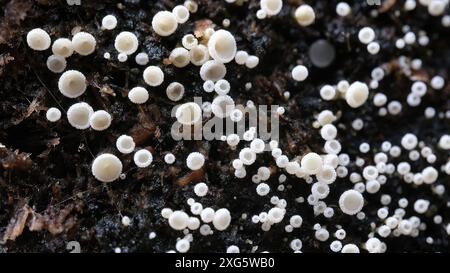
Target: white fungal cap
(169, 158)
(320, 190)
(142, 58)
(327, 92)
(222, 87)
(299, 73)
(262, 189)
(222, 46)
(247, 156)
(62, 47)
(222, 219)
(305, 15)
(212, 70)
(178, 220)
(276, 215)
(222, 106)
(201, 189)
(233, 249)
(106, 167)
(241, 57)
(109, 22)
(437, 7)
(181, 14)
(193, 223)
(251, 62)
(126, 221)
(327, 174)
(366, 35)
(56, 63)
(257, 145)
(175, 91)
(271, 7)
(189, 41)
(138, 95)
(357, 94)
(153, 76)
(444, 142)
(311, 163)
(373, 245)
(207, 215)
(343, 9)
(125, 144)
(429, 175)
(409, 141)
(72, 83)
(192, 6)
(195, 161)
(53, 114)
(328, 132)
(79, 114)
(350, 248)
(182, 246)
(126, 42)
(188, 113)
(84, 43)
(164, 23)
(38, 39)
(351, 202)
(143, 158)
(180, 57)
(122, 57)
(100, 120)
(199, 55)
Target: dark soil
(49, 197)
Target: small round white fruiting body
(62, 47)
(126, 42)
(106, 167)
(181, 14)
(222, 106)
(53, 114)
(38, 39)
(142, 58)
(351, 202)
(305, 15)
(199, 55)
(222, 87)
(343, 9)
(180, 57)
(175, 91)
(169, 158)
(299, 73)
(183, 245)
(366, 35)
(252, 62)
(222, 219)
(222, 46)
(350, 248)
(79, 114)
(72, 83)
(164, 23)
(311, 163)
(153, 76)
(84, 43)
(195, 161)
(56, 63)
(178, 220)
(143, 158)
(357, 94)
(138, 95)
(201, 189)
(189, 41)
(100, 120)
(125, 144)
(109, 22)
(271, 7)
(188, 113)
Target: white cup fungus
(180, 57)
(106, 167)
(72, 83)
(79, 115)
(351, 202)
(222, 46)
(222, 106)
(153, 76)
(181, 14)
(53, 114)
(189, 41)
(222, 219)
(271, 7)
(84, 43)
(195, 161)
(100, 120)
(201, 189)
(299, 73)
(126, 42)
(188, 113)
(357, 94)
(212, 70)
(56, 63)
(199, 55)
(175, 91)
(138, 95)
(164, 23)
(125, 144)
(62, 47)
(38, 39)
(207, 215)
(311, 163)
(305, 15)
(109, 22)
(178, 220)
(143, 158)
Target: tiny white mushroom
(38, 39)
(100, 120)
(79, 114)
(164, 23)
(106, 167)
(84, 43)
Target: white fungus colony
(363, 172)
